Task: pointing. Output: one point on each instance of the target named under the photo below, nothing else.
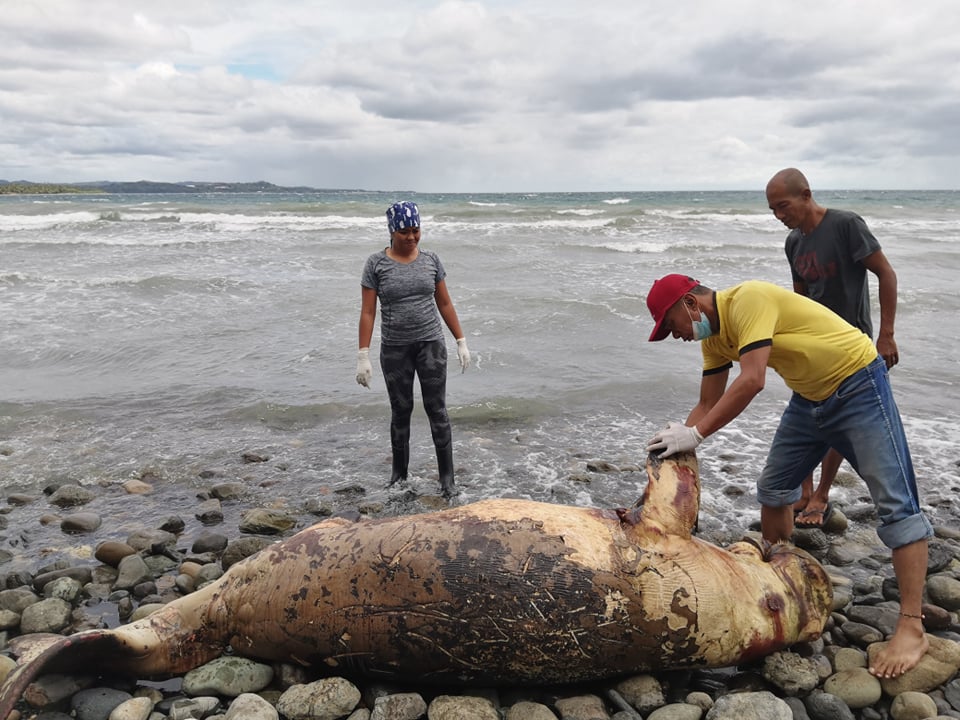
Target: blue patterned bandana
(403, 215)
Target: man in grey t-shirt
(829, 252)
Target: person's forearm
(449, 315)
(888, 304)
(366, 330)
(733, 402)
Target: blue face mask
(702, 329)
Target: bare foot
(800, 504)
(905, 649)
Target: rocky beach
(88, 557)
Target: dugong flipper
(494, 592)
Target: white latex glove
(463, 353)
(364, 368)
(674, 438)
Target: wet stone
(136, 708)
(192, 708)
(78, 523)
(401, 706)
(97, 703)
(912, 706)
(676, 711)
(790, 672)
(856, 687)
(750, 706)
(264, 521)
(251, 707)
(883, 619)
(209, 542)
(228, 676)
(643, 692)
(81, 573)
(209, 512)
(228, 491)
(944, 591)
(50, 615)
(152, 541)
(461, 707)
(174, 524)
(326, 699)
(65, 588)
(67, 496)
(860, 634)
(111, 552)
(526, 710)
(132, 571)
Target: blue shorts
(862, 422)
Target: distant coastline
(25, 187)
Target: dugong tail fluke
(495, 592)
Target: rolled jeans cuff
(905, 531)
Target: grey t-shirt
(829, 259)
(408, 310)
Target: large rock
(677, 711)
(251, 707)
(582, 707)
(822, 705)
(856, 687)
(461, 707)
(750, 706)
(70, 496)
(941, 663)
(51, 616)
(133, 570)
(18, 599)
(326, 699)
(265, 521)
(913, 706)
(643, 692)
(791, 673)
(526, 710)
(228, 676)
(399, 706)
(944, 591)
(97, 703)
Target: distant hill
(144, 186)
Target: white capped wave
(9, 223)
(617, 201)
(584, 212)
(639, 246)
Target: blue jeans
(861, 421)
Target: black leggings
(429, 361)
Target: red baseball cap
(662, 296)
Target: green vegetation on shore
(28, 188)
(25, 187)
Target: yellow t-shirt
(812, 348)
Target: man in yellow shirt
(841, 399)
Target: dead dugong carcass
(494, 592)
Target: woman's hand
(463, 354)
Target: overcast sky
(511, 95)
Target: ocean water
(166, 335)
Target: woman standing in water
(409, 283)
